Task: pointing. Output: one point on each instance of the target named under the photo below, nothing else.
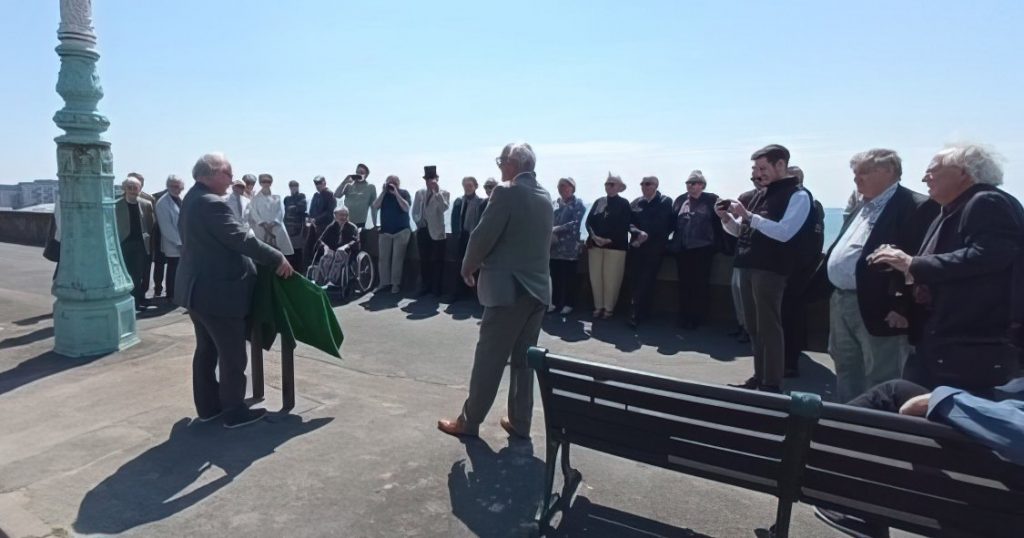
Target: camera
(723, 204)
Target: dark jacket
(612, 222)
(654, 217)
(472, 210)
(903, 222)
(756, 250)
(294, 213)
(701, 227)
(321, 208)
(216, 273)
(335, 236)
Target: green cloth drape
(297, 309)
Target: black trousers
(461, 289)
(564, 282)
(431, 261)
(889, 396)
(693, 270)
(159, 271)
(794, 316)
(642, 265)
(220, 342)
(137, 261)
(172, 272)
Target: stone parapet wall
(24, 227)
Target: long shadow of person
(422, 308)
(193, 463)
(496, 493)
(814, 377)
(381, 301)
(567, 328)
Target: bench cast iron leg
(287, 377)
(556, 502)
(782, 517)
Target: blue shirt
(392, 218)
(997, 423)
(842, 263)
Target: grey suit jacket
(216, 273)
(124, 227)
(512, 244)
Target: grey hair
(980, 163)
(522, 155)
(491, 182)
(208, 165)
(340, 209)
(698, 175)
(131, 181)
(173, 179)
(796, 172)
(655, 179)
(879, 158)
(392, 177)
(249, 178)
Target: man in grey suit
(215, 282)
(511, 249)
(134, 216)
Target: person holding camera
(428, 208)
(358, 195)
(393, 235)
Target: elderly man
(465, 215)
(771, 236)
(868, 309)
(134, 226)
(250, 184)
(511, 248)
(215, 282)
(695, 241)
(238, 203)
(295, 207)
(168, 208)
(321, 214)
(428, 207)
(488, 189)
(651, 223)
(964, 275)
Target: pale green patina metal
(94, 312)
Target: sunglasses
(694, 183)
(647, 183)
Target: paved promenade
(105, 446)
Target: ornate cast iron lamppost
(94, 312)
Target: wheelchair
(340, 274)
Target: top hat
(429, 172)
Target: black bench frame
(287, 370)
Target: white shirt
(797, 210)
(842, 263)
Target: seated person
(994, 418)
(340, 242)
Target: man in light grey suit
(215, 282)
(511, 248)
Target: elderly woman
(694, 243)
(266, 217)
(966, 276)
(565, 246)
(608, 229)
(394, 233)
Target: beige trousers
(392, 257)
(606, 268)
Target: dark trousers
(159, 270)
(889, 396)
(564, 283)
(642, 265)
(794, 316)
(431, 261)
(693, 269)
(137, 260)
(172, 272)
(461, 289)
(220, 342)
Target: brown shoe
(506, 425)
(455, 428)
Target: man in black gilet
(772, 235)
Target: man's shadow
(378, 301)
(193, 463)
(814, 377)
(422, 308)
(568, 328)
(497, 493)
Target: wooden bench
(902, 471)
(749, 439)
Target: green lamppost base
(93, 328)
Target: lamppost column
(94, 312)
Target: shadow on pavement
(568, 328)
(40, 366)
(193, 463)
(27, 338)
(588, 519)
(34, 319)
(496, 494)
(422, 308)
(381, 300)
(814, 377)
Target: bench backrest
(917, 475)
(721, 433)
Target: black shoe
(208, 418)
(851, 525)
(770, 388)
(749, 384)
(791, 372)
(244, 418)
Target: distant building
(28, 193)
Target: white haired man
(215, 282)
(134, 216)
(966, 276)
(868, 310)
(168, 208)
(511, 248)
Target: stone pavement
(105, 446)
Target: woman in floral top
(565, 246)
(608, 225)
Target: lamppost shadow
(193, 463)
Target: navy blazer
(216, 274)
(903, 223)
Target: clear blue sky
(308, 87)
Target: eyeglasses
(694, 183)
(610, 184)
(647, 183)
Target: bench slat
(611, 417)
(917, 479)
(947, 513)
(749, 418)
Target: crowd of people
(926, 292)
